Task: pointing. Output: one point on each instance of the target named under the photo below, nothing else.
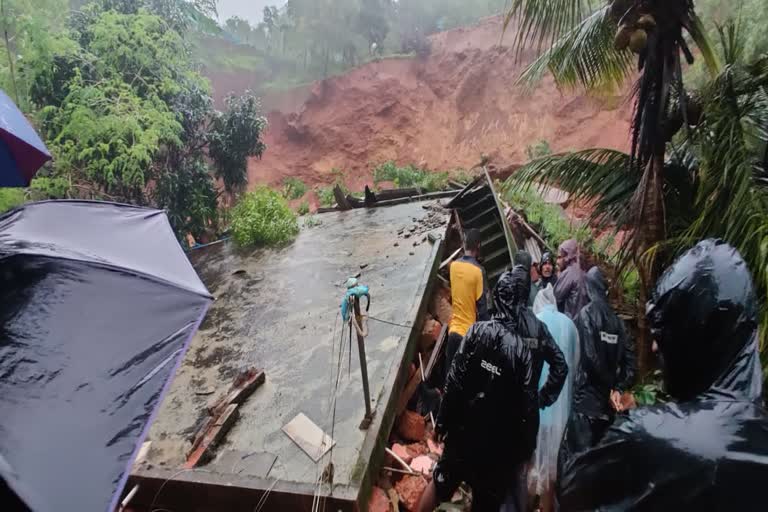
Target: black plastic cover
(97, 306)
(707, 450)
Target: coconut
(621, 40)
(638, 40)
(646, 22)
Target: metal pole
(363, 366)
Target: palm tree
(662, 205)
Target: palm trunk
(653, 232)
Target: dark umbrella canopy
(98, 304)
(22, 152)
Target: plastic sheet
(98, 303)
(553, 419)
(707, 450)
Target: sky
(251, 10)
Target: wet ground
(278, 310)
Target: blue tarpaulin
(98, 304)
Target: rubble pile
(412, 451)
(417, 232)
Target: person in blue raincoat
(543, 473)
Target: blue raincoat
(553, 419)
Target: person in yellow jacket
(467, 294)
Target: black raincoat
(570, 288)
(607, 363)
(514, 312)
(708, 450)
(489, 411)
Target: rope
(388, 322)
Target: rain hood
(707, 449)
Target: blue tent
(22, 152)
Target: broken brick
(423, 464)
(434, 447)
(441, 305)
(416, 449)
(411, 426)
(409, 490)
(402, 452)
(379, 501)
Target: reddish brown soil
(442, 112)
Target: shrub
(410, 176)
(325, 194)
(294, 188)
(11, 198)
(304, 208)
(262, 217)
(538, 150)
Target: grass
(410, 176)
(294, 188)
(303, 208)
(263, 217)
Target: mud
(442, 112)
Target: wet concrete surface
(277, 309)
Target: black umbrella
(98, 304)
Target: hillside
(441, 112)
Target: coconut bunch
(634, 25)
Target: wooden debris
(243, 386)
(450, 258)
(341, 199)
(204, 451)
(410, 389)
(436, 352)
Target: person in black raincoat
(570, 288)
(707, 450)
(489, 414)
(517, 317)
(514, 312)
(607, 369)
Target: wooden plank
(451, 258)
(308, 436)
(212, 437)
(436, 352)
(243, 387)
(341, 199)
(408, 392)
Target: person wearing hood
(518, 318)
(525, 259)
(708, 448)
(570, 288)
(489, 414)
(543, 474)
(543, 276)
(607, 370)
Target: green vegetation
(303, 208)
(538, 150)
(11, 198)
(118, 100)
(309, 39)
(699, 157)
(262, 217)
(294, 188)
(410, 176)
(325, 197)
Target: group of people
(534, 384)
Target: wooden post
(363, 366)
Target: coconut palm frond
(600, 176)
(585, 56)
(542, 22)
(699, 36)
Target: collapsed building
(272, 408)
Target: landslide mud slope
(441, 112)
